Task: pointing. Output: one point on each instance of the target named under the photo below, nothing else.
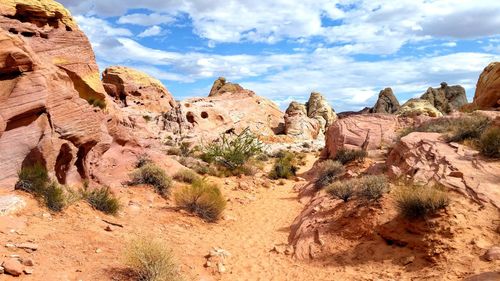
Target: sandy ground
(74, 245)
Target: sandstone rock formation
(487, 94)
(44, 118)
(369, 132)
(386, 103)
(426, 157)
(418, 107)
(50, 31)
(137, 90)
(207, 118)
(446, 98)
(298, 125)
(220, 87)
(318, 108)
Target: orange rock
(488, 87)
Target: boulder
(298, 125)
(487, 94)
(418, 107)
(368, 131)
(318, 108)
(485, 276)
(426, 157)
(386, 103)
(220, 87)
(48, 28)
(446, 98)
(493, 254)
(13, 267)
(135, 89)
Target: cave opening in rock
(190, 117)
(204, 115)
(63, 163)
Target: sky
(283, 50)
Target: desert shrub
(35, 179)
(174, 151)
(232, 150)
(306, 145)
(187, 176)
(419, 201)
(262, 157)
(345, 155)
(154, 176)
(372, 187)
(54, 197)
(329, 170)
(142, 160)
(468, 127)
(103, 200)
(284, 166)
(343, 190)
(489, 142)
(203, 199)
(151, 260)
(97, 103)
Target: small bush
(203, 199)
(53, 196)
(262, 157)
(419, 201)
(232, 151)
(97, 103)
(468, 128)
(373, 187)
(329, 170)
(151, 260)
(147, 118)
(186, 176)
(142, 160)
(103, 200)
(152, 175)
(174, 151)
(489, 142)
(284, 166)
(346, 156)
(343, 190)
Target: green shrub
(419, 201)
(489, 142)
(345, 155)
(97, 103)
(203, 199)
(373, 187)
(151, 260)
(284, 166)
(174, 151)
(54, 197)
(329, 170)
(186, 176)
(342, 190)
(103, 200)
(152, 175)
(232, 151)
(147, 118)
(262, 157)
(142, 160)
(468, 128)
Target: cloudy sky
(282, 49)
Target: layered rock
(50, 31)
(136, 90)
(298, 125)
(319, 109)
(487, 94)
(446, 98)
(426, 157)
(43, 118)
(221, 86)
(207, 118)
(418, 107)
(386, 102)
(368, 132)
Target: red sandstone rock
(488, 87)
(298, 125)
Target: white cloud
(146, 19)
(154, 30)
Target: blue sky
(347, 50)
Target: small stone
(208, 264)
(28, 262)
(280, 249)
(407, 260)
(108, 228)
(10, 245)
(221, 268)
(98, 251)
(13, 267)
(1, 270)
(28, 271)
(492, 254)
(28, 246)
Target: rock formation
(137, 90)
(488, 88)
(426, 157)
(446, 98)
(418, 107)
(220, 87)
(50, 31)
(298, 125)
(318, 108)
(386, 103)
(207, 118)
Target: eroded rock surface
(487, 94)
(318, 108)
(446, 98)
(299, 125)
(221, 86)
(418, 107)
(386, 103)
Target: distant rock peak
(221, 86)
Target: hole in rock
(63, 163)
(204, 115)
(190, 117)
